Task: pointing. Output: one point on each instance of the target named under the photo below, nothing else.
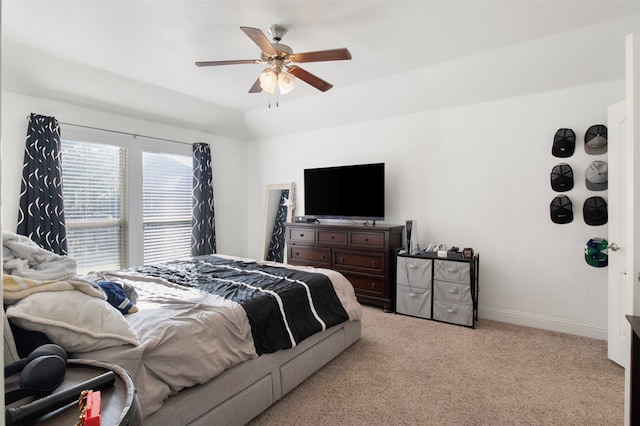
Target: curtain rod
(123, 133)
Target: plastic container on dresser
(441, 289)
(365, 255)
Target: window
(166, 195)
(127, 198)
(94, 189)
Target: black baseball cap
(561, 177)
(594, 211)
(561, 209)
(564, 143)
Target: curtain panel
(41, 210)
(203, 230)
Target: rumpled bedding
(15, 288)
(188, 336)
(28, 269)
(23, 257)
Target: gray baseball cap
(597, 176)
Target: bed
(217, 339)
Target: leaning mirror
(278, 210)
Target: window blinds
(166, 197)
(95, 199)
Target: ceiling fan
(282, 62)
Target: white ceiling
(157, 42)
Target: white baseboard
(543, 322)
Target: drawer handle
(301, 235)
(332, 237)
(452, 291)
(366, 240)
(373, 263)
(452, 269)
(323, 257)
(297, 253)
(451, 310)
(341, 259)
(373, 285)
(412, 266)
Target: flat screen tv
(353, 192)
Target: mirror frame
(272, 199)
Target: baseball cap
(594, 252)
(561, 177)
(561, 209)
(596, 176)
(594, 211)
(564, 143)
(595, 139)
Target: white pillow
(73, 320)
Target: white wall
(228, 159)
(476, 176)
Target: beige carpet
(409, 371)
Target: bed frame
(246, 390)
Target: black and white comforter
(202, 316)
(284, 306)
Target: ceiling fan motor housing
(283, 50)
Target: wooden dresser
(363, 254)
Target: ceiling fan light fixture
(268, 81)
(286, 82)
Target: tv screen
(345, 192)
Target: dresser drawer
(332, 237)
(371, 284)
(316, 255)
(412, 301)
(301, 235)
(452, 292)
(359, 260)
(458, 272)
(374, 240)
(453, 312)
(413, 272)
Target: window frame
(135, 145)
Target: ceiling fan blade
(322, 55)
(260, 39)
(231, 62)
(309, 78)
(256, 87)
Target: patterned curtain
(41, 214)
(203, 223)
(275, 253)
